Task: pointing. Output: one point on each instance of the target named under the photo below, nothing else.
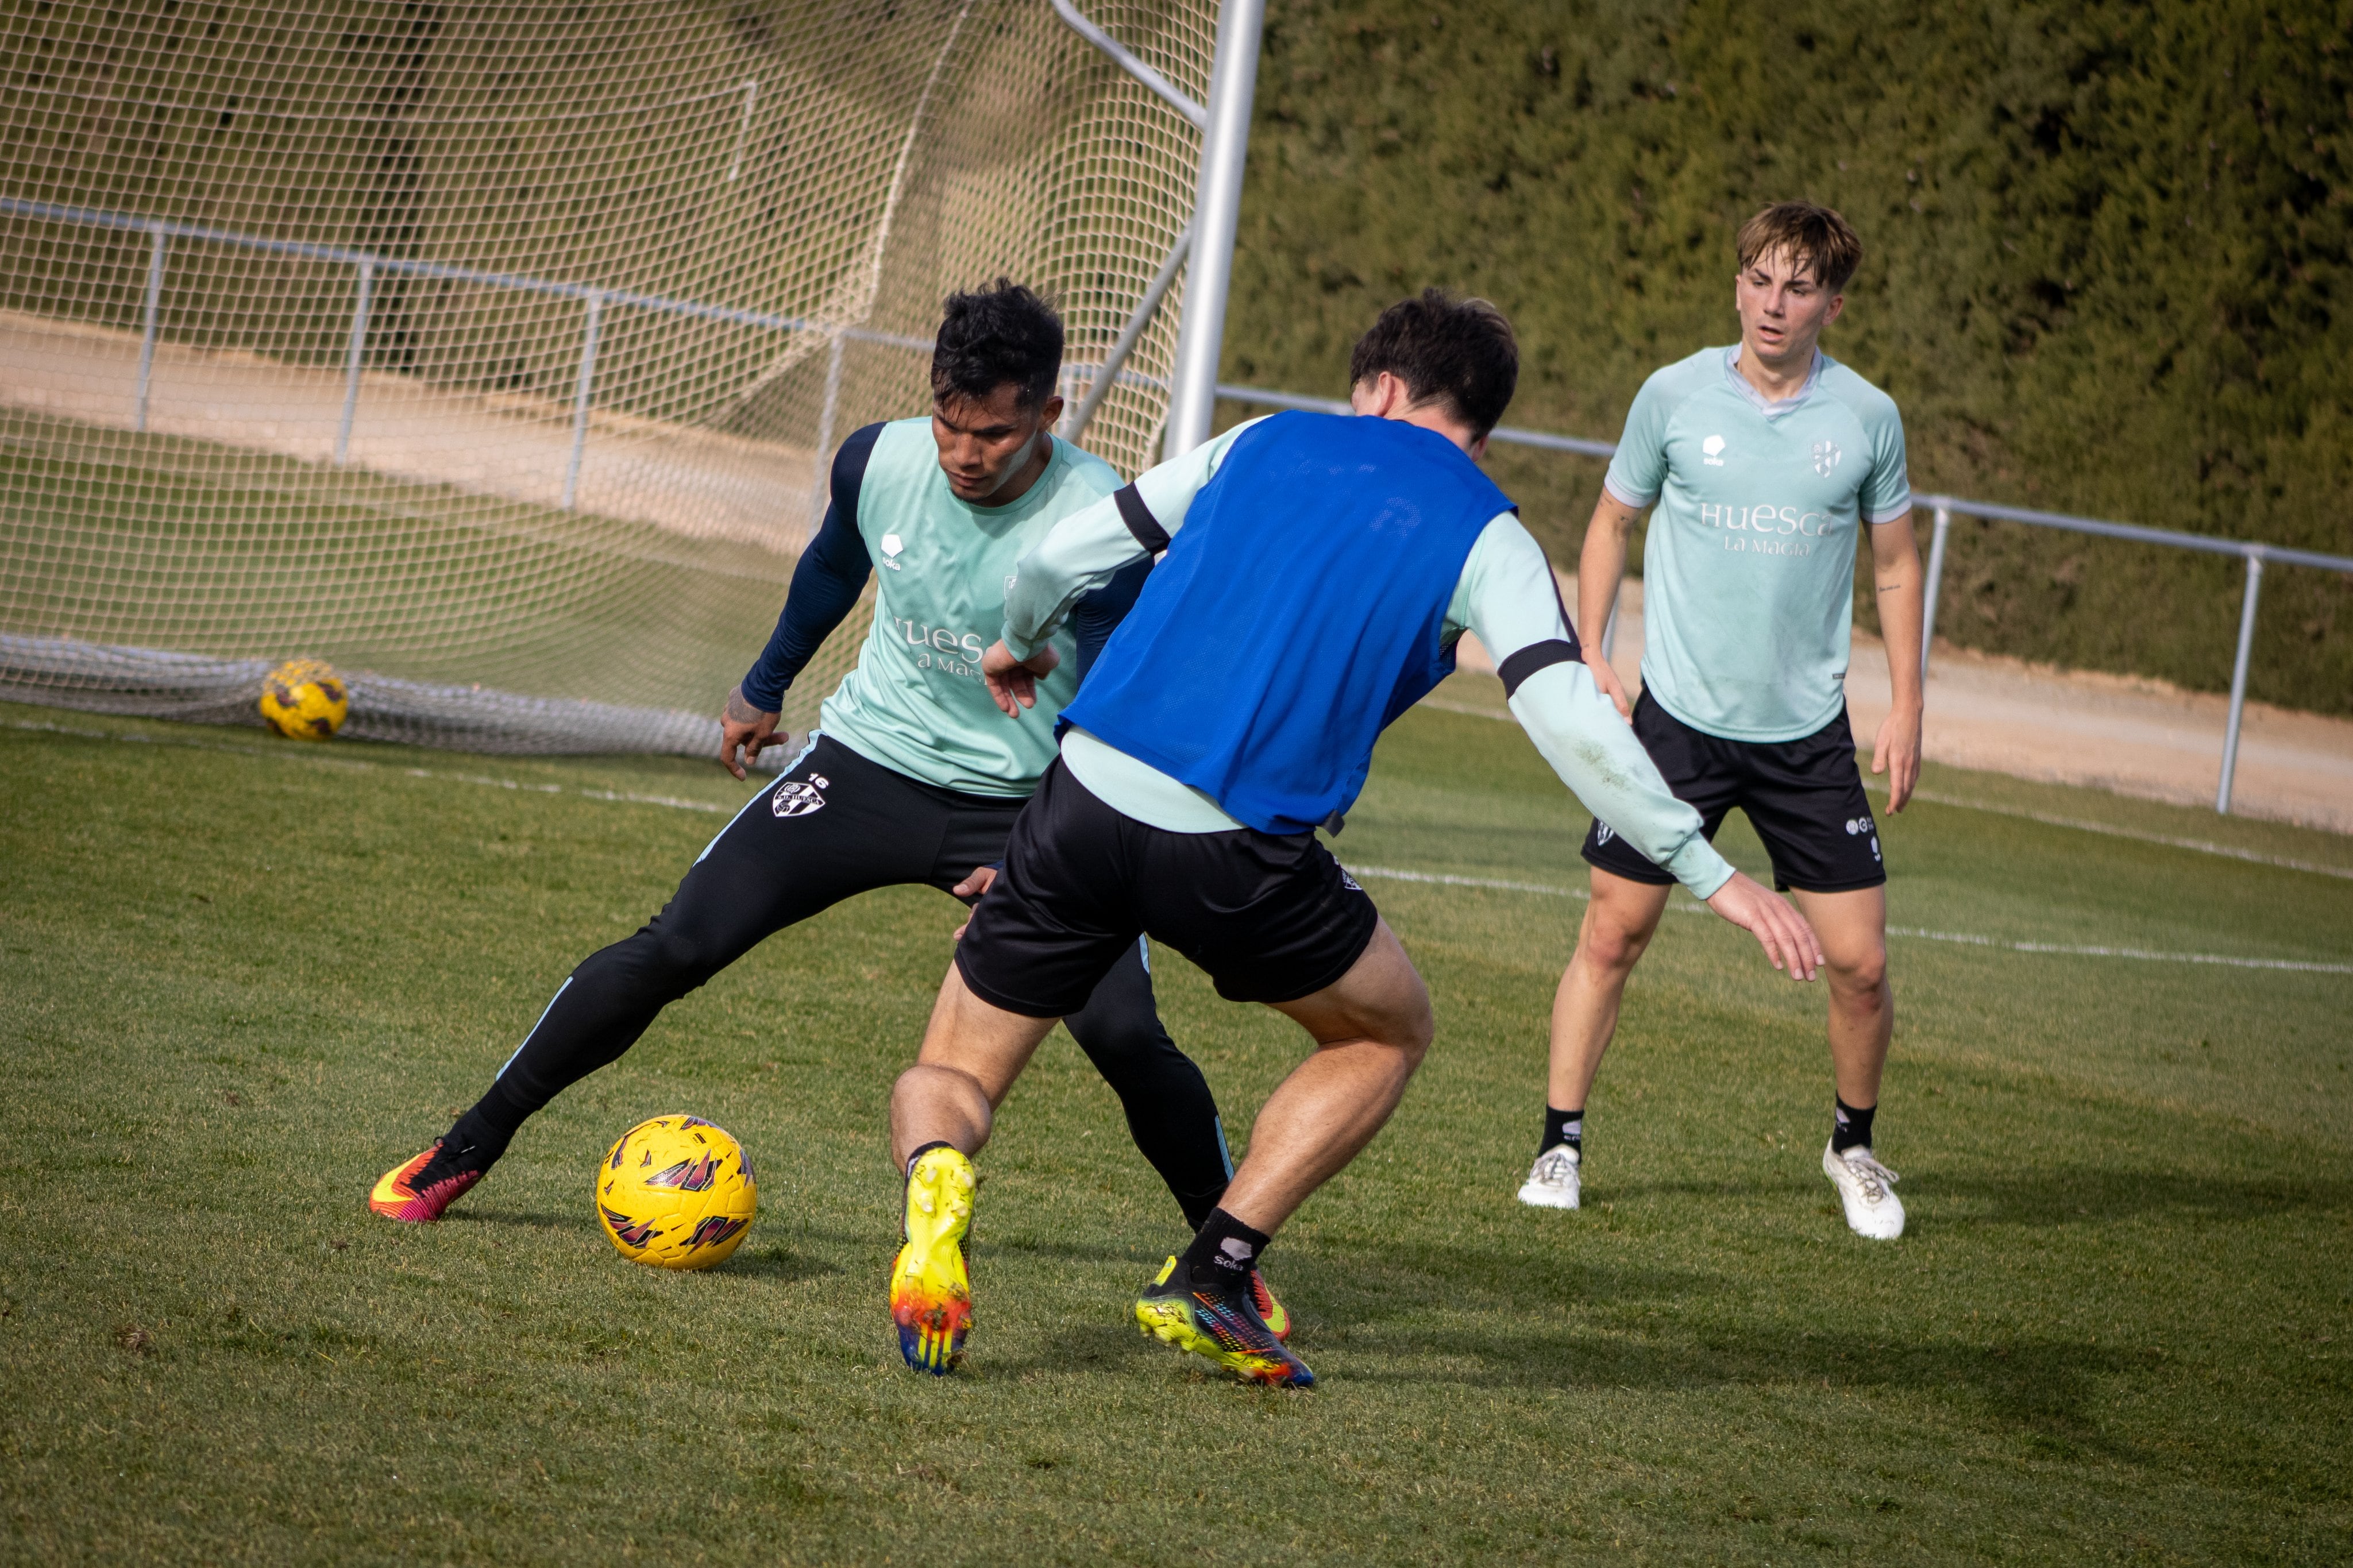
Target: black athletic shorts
(1270, 919)
(1804, 798)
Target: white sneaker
(1868, 1190)
(1552, 1184)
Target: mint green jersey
(1748, 568)
(916, 701)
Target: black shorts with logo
(1804, 797)
(1270, 919)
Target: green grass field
(240, 978)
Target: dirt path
(689, 481)
(2133, 736)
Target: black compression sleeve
(1098, 614)
(825, 584)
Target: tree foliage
(2106, 271)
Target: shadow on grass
(514, 1217)
(2073, 1194)
(777, 1265)
(2047, 1195)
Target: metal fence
(366, 266)
(1943, 509)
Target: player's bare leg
(1619, 921)
(972, 1053)
(1371, 1028)
(940, 1115)
(1853, 930)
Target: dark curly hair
(989, 336)
(1460, 349)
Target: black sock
(1852, 1128)
(1223, 1253)
(482, 1133)
(1564, 1127)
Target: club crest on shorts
(1602, 832)
(795, 797)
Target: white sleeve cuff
(1608, 485)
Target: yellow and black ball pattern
(675, 1192)
(305, 701)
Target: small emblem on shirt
(1712, 451)
(1826, 457)
(795, 798)
(891, 545)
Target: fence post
(580, 396)
(1936, 582)
(821, 489)
(154, 314)
(351, 361)
(2239, 677)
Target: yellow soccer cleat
(930, 1284)
(1222, 1324)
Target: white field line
(302, 751)
(2304, 966)
(1388, 873)
(2201, 845)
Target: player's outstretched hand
(744, 729)
(1896, 753)
(972, 887)
(1014, 681)
(1774, 922)
(1606, 678)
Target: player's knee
(1860, 975)
(657, 957)
(1609, 945)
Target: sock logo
(1236, 1249)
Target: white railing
(368, 266)
(1942, 509)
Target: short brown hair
(1809, 234)
(1441, 347)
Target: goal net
(493, 351)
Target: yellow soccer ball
(305, 701)
(675, 1192)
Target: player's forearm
(1579, 732)
(1899, 590)
(1601, 564)
(1084, 551)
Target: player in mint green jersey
(913, 776)
(1761, 464)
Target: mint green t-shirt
(916, 701)
(1749, 570)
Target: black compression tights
(874, 827)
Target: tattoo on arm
(740, 711)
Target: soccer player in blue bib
(1761, 464)
(1318, 573)
(914, 775)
